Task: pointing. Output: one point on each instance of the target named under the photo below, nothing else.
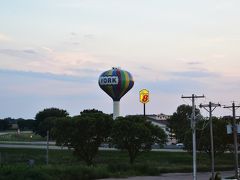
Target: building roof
(163, 122)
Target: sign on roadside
(144, 96)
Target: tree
(84, 133)
(90, 112)
(135, 134)
(44, 117)
(4, 125)
(180, 123)
(28, 124)
(220, 137)
(228, 120)
(62, 131)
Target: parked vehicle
(180, 145)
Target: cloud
(220, 40)
(49, 76)
(195, 74)
(49, 50)
(73, 34)
(29, 51)
(89, 36)
(25, 53)
(195, 63)
(146, 68)
(77, 39)
(47, 60)
(173, 85)
(4, 37)
(218, 56)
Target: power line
(211, 107)
(193, 125)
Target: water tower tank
(116, 83)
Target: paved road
(42, 145)
(28, 142)
(176, 176)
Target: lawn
(63, 165)
(24, 136)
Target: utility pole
(47, 147)
(193, 125)
(210, 110)
(233, 107)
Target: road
(42, 145)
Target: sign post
(144, 98)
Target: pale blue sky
(53, 51)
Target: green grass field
(63, 165)
(24, 136)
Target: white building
(160, 120)
(161, 116)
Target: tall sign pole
(193, 124)
(144, 109)
(211, 107)
(233, 107)
(144, 98)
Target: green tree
(135, 134)
(27, 124)
(45, 119)
(228, 120)
(84, 133)
(4, 125)
(180, 123)
(62, 131)
(220, 137)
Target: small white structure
(160, 120)
(161, 116)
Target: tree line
(86, 132)
(22, 124)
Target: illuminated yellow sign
(144, 96)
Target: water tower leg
(116, 109)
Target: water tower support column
(116, 109)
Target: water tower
(116, 83)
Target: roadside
(175, 176)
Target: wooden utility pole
(47, 147)
(233, 107)
(193, 125)
(211, 107)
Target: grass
(63, 165)
(60, 172)
(29, 137)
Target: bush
(147, 169)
